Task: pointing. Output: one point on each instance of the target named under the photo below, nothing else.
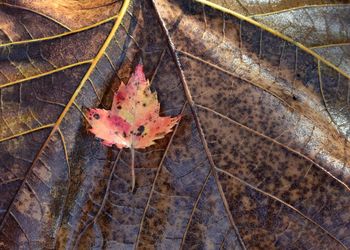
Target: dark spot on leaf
(140, 130)
(144, 104)
(119, 107)
(96, 116)
(124, 134)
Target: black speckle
(119, 107)
(140, 130)
(295, 98)
(144, 104)
(124, 134)
(96, 116)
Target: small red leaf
(133, 121)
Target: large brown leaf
(319, 27)
(260, 159)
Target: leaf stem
(132, 169)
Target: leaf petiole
(132, 168)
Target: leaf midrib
(197, 122)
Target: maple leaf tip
(139, 72)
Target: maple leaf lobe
(133, 121)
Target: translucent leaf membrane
(312, 26)
(339, 55)
(254, 7)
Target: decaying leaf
(133, 121)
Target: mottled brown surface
(20, 24)
(259, 160)
(319, 25)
